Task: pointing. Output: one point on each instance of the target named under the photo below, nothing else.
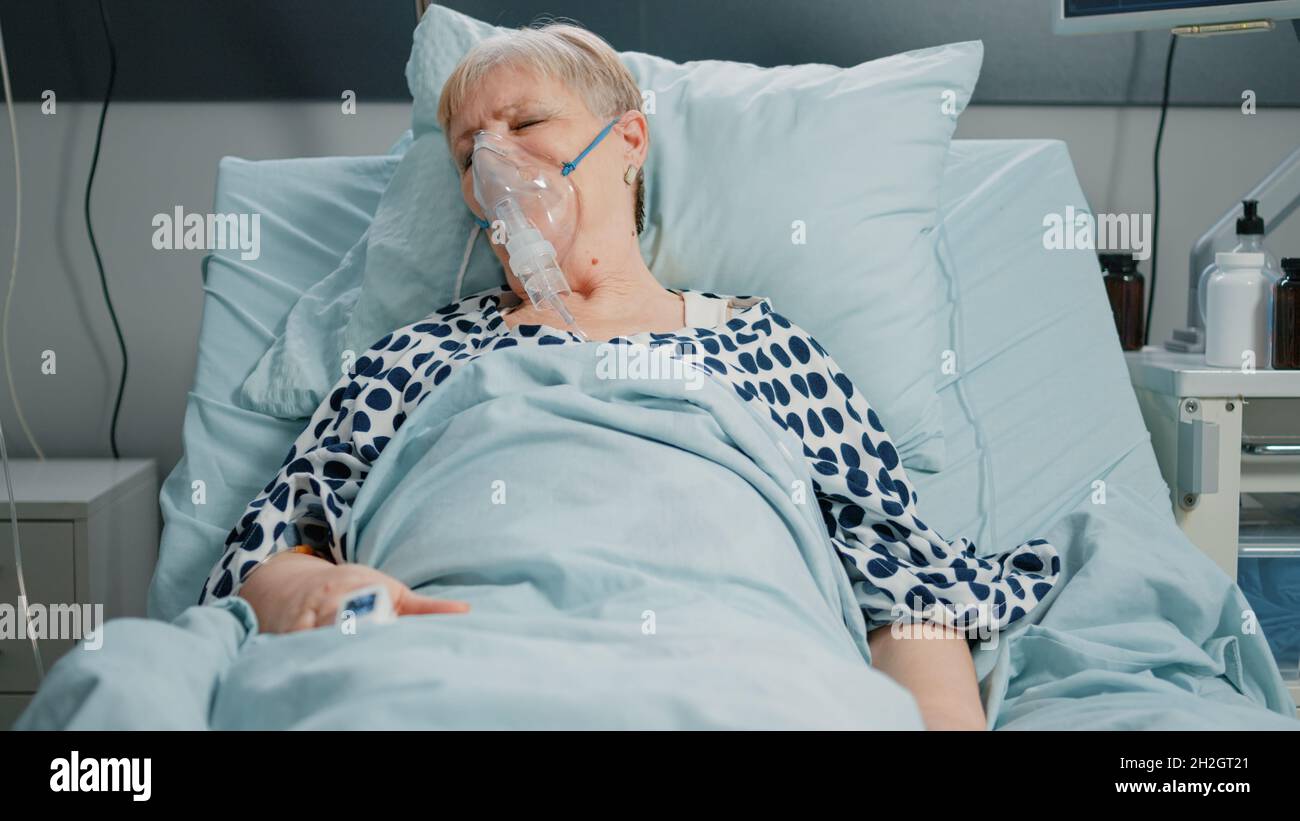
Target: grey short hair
(576, 57)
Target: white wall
(1209, 158)
(159, 156)
(155, 157)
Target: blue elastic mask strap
(568, 167)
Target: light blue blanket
(635, 558)
(649, 568)
(1145, 632)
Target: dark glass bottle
(1286, 317)
(1125, 288)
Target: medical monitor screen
(1084, 8)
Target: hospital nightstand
(89, 531)
(1228, 444)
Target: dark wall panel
(210, 49)
(313, 49)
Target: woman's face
(552, 123)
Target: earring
(629, 176)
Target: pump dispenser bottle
(1250, 240)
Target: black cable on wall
(90, 228)
(1155, 169)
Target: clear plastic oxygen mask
(532, 200)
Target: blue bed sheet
(1044, 438)
(313, 212)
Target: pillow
(307, 357)
(822, 193)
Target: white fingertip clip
(367, 605)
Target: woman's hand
(295, 591)
(938, 671)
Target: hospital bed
(1042, 432)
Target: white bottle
(1236, 312)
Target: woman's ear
(635, 132)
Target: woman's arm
(938, 671)
(309, 500)
(901, 570)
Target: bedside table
(89, 531)
(1228, 444)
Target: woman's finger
(409, 603)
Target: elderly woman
(561, 93)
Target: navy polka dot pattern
(900, 568)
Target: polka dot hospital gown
(900, 568)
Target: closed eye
(468, 160)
